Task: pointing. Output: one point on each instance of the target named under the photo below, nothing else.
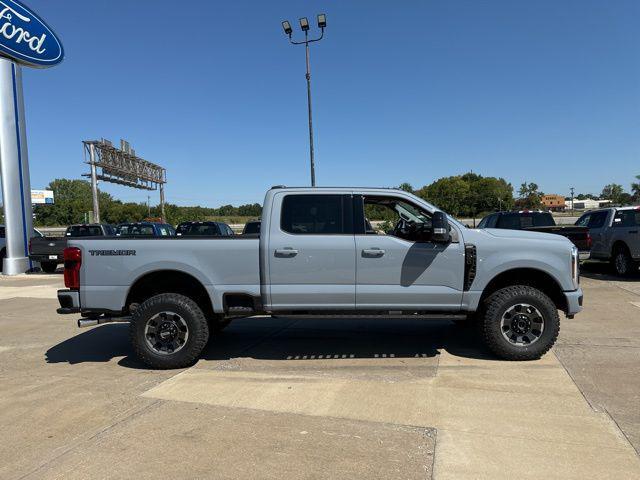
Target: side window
(313, 215)
(491, 222)
(509, 221)
(627, 218)
(483, 223)
(583, 221)
(1, 232)
(597, 219)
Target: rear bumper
(574, 301)
(69, 301)
(41, 257)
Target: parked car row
(608, 234)
(48, 250)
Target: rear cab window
(84, 231)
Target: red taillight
(589, 241)
(72, 262)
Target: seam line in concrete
(597, 410)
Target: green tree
(612, 192)
(635, 189)
(469, 194)
(407, 187)
(529, 196)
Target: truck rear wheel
(168, 331)
(49, 267)
(622, 262)
(520, 323)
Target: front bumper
(574, 301)
(69, 301)
(584, 255)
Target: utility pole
(304, 26)
(572, 209)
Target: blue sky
(545, 91)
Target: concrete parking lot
(320, 398)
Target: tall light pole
(304, 26)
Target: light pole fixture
(304, 26)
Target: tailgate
(48, 246)
(579, 236)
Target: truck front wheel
(168, 331)
(520, 323)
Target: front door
(626, 227)
(311, 252)
(403, 269)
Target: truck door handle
(286, 252)
(633, 231)
(372, 252)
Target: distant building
(586, 204)
(553, 202)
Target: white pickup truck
(316, 254)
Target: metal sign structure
(25, 39)
(123, 167)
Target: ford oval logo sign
(26, 38)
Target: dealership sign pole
(27, 40)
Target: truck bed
(111, 265)
(579, 236)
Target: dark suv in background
(204, 229)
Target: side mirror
(441, 228)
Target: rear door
(598, 227)
(311, 252)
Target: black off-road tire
(622, 263)
(499, 302)
(191, 313)
(49, 267)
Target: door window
(627, 218)
(314, 215)
(597, 219)
(399, 218)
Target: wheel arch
(169, 281)
(619, 244)
(532, 277)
